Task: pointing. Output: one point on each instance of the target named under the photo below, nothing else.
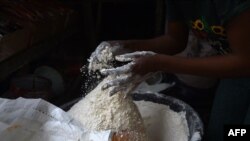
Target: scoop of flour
(98, 111)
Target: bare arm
(235, 64)
(218, 66)
(172, 43)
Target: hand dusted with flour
(104, 54)
(125, 75)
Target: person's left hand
(141, 65)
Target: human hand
(104, 55)
(140, 67)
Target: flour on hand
(99, 111)
(103, 56)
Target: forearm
(217, 66)
(163, 44)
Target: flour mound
(162, 123)
(98, 111)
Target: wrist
(159, 62)
(127, 44)
(134, 45)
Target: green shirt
(207, 18)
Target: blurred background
(44, 43)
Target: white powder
(196, 136)
(98, 111)
(101, 57)
(162, 123)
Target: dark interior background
(97, 20)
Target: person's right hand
(104, 54)
(140, 67)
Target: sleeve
(228, 9)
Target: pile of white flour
(162, 123)
(98, 111)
